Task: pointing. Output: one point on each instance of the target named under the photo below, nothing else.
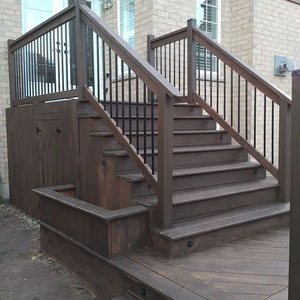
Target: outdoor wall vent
(282, 65)
(107, 4)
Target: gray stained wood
(253, 268)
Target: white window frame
(119, 19)
(200, 74)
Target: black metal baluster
(56, 66)
(104, 74)
(210, 79)
(246, 111)
(272, 137)
(116, 89)
(179, 65)
(239, 103)
(110, 82)
(62, 58)
(58, 58)
(255, 100)
(218, 83)
(45, 64)
(67, 30)
(184, 70)
(174, 63)
(32, 68)
(22, 73)
(265, 123)
(98, 68)
(51, 61)
(165, 61)
(137, 116)
(205, 78)
(170, 62)
(29, 70)
(231, 95)
(145, 123)
(130, 100)
(161, 60)
(152, 134)
(123, 96)
(26, 71)
(156, 59)
(224, 107)
(198, 67)
(48, 63)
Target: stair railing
(248, 107)
(75, 54)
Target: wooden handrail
(169, 38)
(121, 138)
(154, 80)
(243, 70)
(55, 21)
(233, 133)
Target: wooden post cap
(296, 73)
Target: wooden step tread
(141, 133)
(202, 225)
(212, 192)
(183, 104)
(138, 177)
(141, 117)
(177, 150)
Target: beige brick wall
(276, 32)
(10, 28)
(254, 30)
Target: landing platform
(252, 268)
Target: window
(208, 21)
(127, 21)
(34, 12)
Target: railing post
(150, 59)
(165, 160)
(81, 49)
(150, 51)
(284, 165)
(294, 273)
(192, 60)
(12, 75)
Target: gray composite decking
(254, 268)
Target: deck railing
(248, 107)
(75, 54)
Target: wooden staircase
(153, 127)
(219, 195)
(168, 153)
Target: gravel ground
(25, 273)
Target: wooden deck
(253, 268)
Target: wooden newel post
(150, 59)
(284, 151)
(81, 49)
(12, 74)
(192, 60)
(165, 160)
(294, 275)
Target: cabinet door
(50, 151)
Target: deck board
(252, 268)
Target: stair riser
(86, 108)
(216, 205)
(179, 140)
(204, 180)
(179, 124)
(211, 239)
(188, 159)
